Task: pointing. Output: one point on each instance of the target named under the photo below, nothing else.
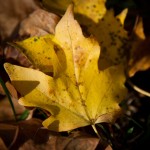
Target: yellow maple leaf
(78, 94)
(113, 40)
(104, 25)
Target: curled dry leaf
(40, 22)
(78, 94)
(12, 55)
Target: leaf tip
(6, 66)
(122, 16)
(70, 9)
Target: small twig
(136, 88)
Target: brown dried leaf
(40, 22)
(77, 140)
(15, 134)
(28, 134)
(12, 12)
(55, 142)
(14, 56)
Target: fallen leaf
(14, 134)
(104, 25)
(12, 55)
(56, 142)
(12, 12)
(78, 94)
(113, 40)
(39, 23)
(109, 31)
(94, 10)
(74, 141)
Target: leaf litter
(136, 103)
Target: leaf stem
(95, 130)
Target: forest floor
(131, 131)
